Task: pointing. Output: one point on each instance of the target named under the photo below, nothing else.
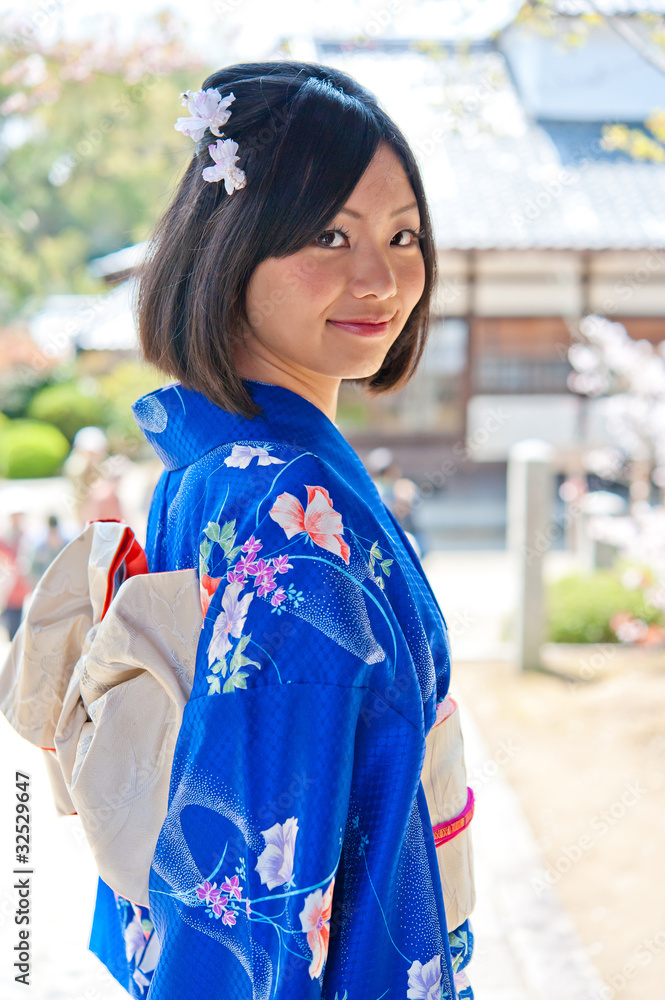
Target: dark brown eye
(331, 233)
(414, 237)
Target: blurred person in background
(14, 571)
(94, 477)
(44, 551)
(398, 492)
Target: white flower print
(242, 454)
(275, 864)
(425, 980)
(134, 938)
(229, 622)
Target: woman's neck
(321, 390)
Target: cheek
(412, 281)
(279, 287)
(308, 280)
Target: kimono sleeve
(242, 885)
(243, 878)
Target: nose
(371, 273)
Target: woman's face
(367, 267)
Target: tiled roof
(495, 179)
(513, 193)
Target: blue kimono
(297, 858)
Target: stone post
(530, 533)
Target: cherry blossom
(207, 109)
(223, 152)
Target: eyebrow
(357, 215)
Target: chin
(357, 369)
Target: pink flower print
(234, 576)
(260, 567)
(218, 906)
(229, 917)
(278, 597)
(207, 585)
(229, 622)
(245, 565)
(207, 891)
(265, 581)
(251, 547)
(315, 920)
(275, 863)
(282, 564)
(232, 886)
(319, 520)
(248, 908)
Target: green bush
(67, 408)
(30, 449)
(580, 607)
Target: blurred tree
(88, 151)
(30, 448)
(68, 408)
(644, 31)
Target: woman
(297, 858)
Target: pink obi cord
(446, 831)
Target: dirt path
(589, 771)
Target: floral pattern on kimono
(297, 857)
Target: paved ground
(526, 944)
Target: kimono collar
(182, 425)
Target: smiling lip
(363, 327)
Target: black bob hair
(306, 133)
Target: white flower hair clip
(208, 109)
